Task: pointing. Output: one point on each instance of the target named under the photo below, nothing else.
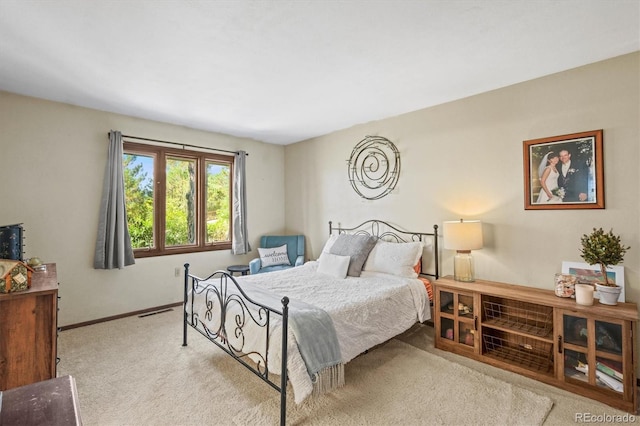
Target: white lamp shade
(462, 235)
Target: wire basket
(520, 316)
(522, 351)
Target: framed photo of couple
(564, 172)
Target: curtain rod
(180, 144)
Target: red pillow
(418, 266)
(427, 286)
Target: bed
(304, 324)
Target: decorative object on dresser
(565, 285)
(14, 276)
(463, 236)
(249, 317)
(604, 249)
(28, 331)
(36, 264)
(588, 274)
(532, 332)
(11, 241)
(564, 172)
(608, 294)
(584, 294)
(374, 167)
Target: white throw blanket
(366, 311)
(314, 334)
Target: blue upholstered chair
(295, 251)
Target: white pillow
(274, 256)
(334, 265)
(394, 258)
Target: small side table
(242, 269)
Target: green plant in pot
(604, 249)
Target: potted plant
(604, 249)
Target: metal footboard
(231, 312)
(234, 310)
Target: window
(178, 201)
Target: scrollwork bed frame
(227, 296)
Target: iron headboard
(387, 232)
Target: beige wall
(52, 161)
(461, 159)
(464, 160)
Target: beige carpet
(134, 371)
(399, 384)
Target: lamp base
(463, 266)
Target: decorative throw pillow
(274, 256)
(334, 265)
(327, 246)
(427, 286)
(394, 258)
(357, 247)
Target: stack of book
(610, 373)
(607, 372)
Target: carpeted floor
(397, 383)
(134, 371)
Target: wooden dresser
(28, 331)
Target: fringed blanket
(316, 339)
(318, 345)
(328, 379)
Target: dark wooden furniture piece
(28, 331)
(51, 402)
(242, 269)
(588, 350)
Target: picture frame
(590, 274)
(575, 176)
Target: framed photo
(564, 172)
(590, 274)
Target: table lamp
(463, 236)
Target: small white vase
(608, 295)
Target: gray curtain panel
(240, 237)
(113, 245)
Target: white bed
(366, 311)
(245, 316)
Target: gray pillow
(355, 246)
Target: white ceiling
(284, 71)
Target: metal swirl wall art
(374, 167)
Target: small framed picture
(564, 172)
(590, 274)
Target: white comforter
(366, 311)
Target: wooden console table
(589, 350)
